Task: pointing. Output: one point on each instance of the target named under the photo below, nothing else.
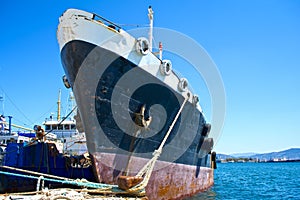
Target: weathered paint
(168, 180)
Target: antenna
(71, 104)
(150, 15)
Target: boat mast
(150, 15)
(71, 104)
(2, 104)
(58, 105)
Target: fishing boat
(68, 128)
(24, 164)
(57, 150)
(144, 126)
(7, 135)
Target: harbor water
(255, 181)
(270, 181)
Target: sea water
(278, 180)
(254, 181)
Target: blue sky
(255, 44)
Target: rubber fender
(66, 81)
(213, 160)
(195, 99)
(166, 67)
(206, 130)
(207, 144)
(183, 85)
(213, 156)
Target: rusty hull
(168, 180)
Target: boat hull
(42, 158)
(167, 181)
(183, 151)
(111, 82)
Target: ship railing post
(40, 179)
(160, 50)
(9, 124)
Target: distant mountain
(223, 156)
(242, 155)
(289, 154)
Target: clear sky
(255, 45)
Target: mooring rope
(96, 188)
(69, 182)
(146, 171)
(35, 173)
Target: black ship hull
(186, 148)
(129, 101)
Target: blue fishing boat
(57, 151)
(41, 158)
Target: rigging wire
(134, 25)
(154, 43)
(17, 108)
(45, 113)
(20, 122)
